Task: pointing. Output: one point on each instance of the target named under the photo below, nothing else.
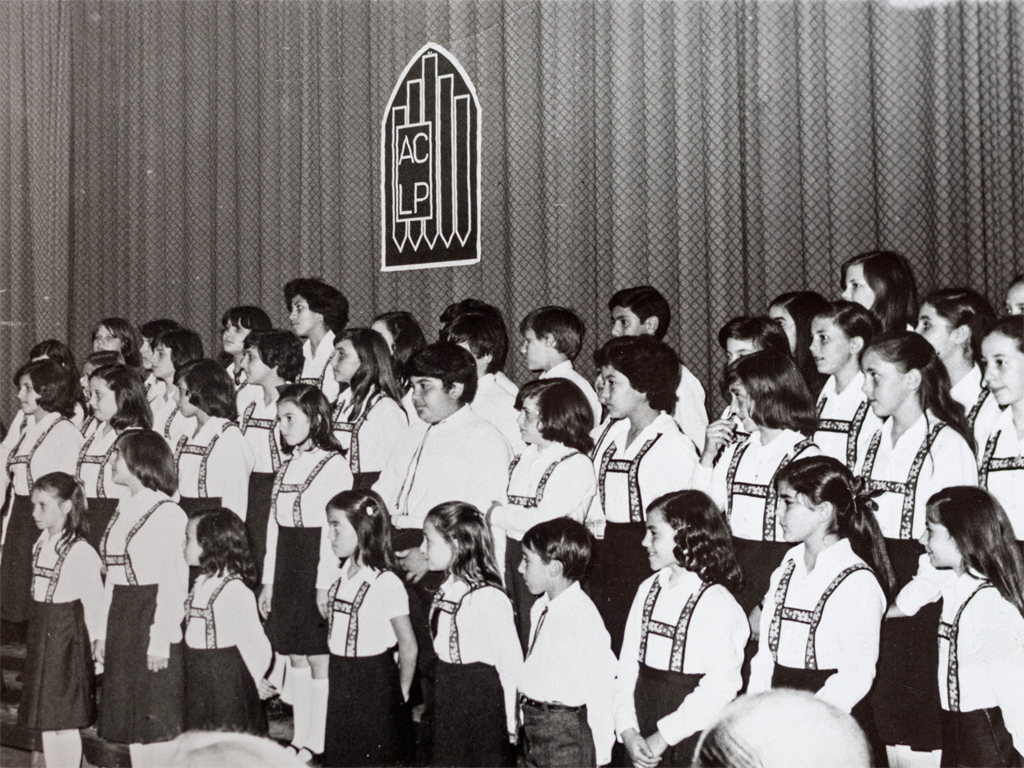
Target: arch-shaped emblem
(430, 166)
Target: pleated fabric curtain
(722, 151)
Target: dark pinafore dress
(195, 505)
(905, 697)
(522, 599)
(620, 563)
(660, 692)
(468, 712)
(261, 488)
(100, 508)
(367, 722)
(59, 688)
(362, 481)
(137, 706)
(22, 532)
(295, 625)
(220, 694)
(850, 428)
(978, 737)
(758, 559)
(809, 677)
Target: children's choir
(567, 572)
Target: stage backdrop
(176, 158)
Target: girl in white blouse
(953, 321)
(974, 564)
(173, 350)
(50, 443)
(299, 566)
(552, 478)
(771, 400)
(924, 445)
(369, 420)
(683, 646)
(67, 592)
(149, 332)
(316, 312)
(235, 326)
(118, 402)
(846, 422)
(368, 723)
(473, 713)
(226, 651)
(215, 460)
(1001, 450)
(883, 282)
(823, 612)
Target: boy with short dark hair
(552, 338)
(567, 680)
(643, 311)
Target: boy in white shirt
(567, 681)
(552, 338)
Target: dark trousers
(553, 735)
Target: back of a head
(783, 729)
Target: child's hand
(413, 563)
(156, 663)
(266, 594)
(99, 650)
(266, 689)
(719, 434)
(639, 751)
(322, 602)
(656, 744)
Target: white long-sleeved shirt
(362, 606)
(571, 662)
(63, 577)
(152, 554)
(691, 412)
(169, 421)
(495, 404)
(569, 487)
(156, 390)
(94, 467)
(565, 370)
(461, 458)
(51, 444)
(986, 639)
(741, 482)
(258, 422)
(629, 477)
(911, 471)
(221, 613)
(477, 625)
(715, 631)
(369, 437)
(316, 368)
(216, 461)
(302, 488)
(851, 607)
(847, 422)
(1001, 468)
(980, 406)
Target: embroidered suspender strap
(972, 415)
(678, 632)
(452, 607)
(26, 458)
(907, 489)
(85, 458)
(631, 467)
(803, 616)
(199, 450)
(206, 614)
(990, 464)
(352, 609)
(297, 488)
(353, 427)
(849, 428)
(604, 434)
(532, 502)
(246, 415)
(51, 574)
(268, 425)
(317, 381)
(821, 407)
(332, 592)
(126, 559)
(950, 633)
(513, 464)
(766, 492)
(170, 420)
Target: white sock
(280, 679)
(319, 690)
(62, 749)
(301, 687)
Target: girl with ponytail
(823, 611)
(924, 445)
